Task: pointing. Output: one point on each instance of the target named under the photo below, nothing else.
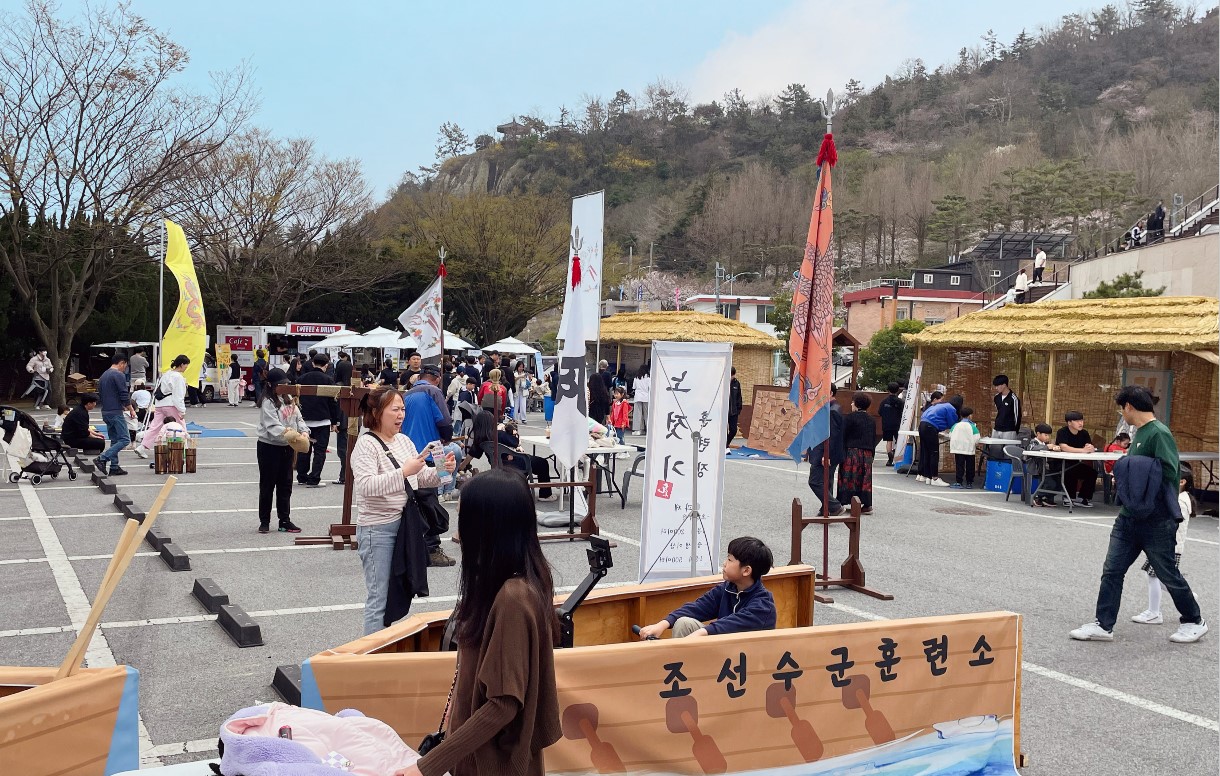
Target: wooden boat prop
(870, 697)
(85, 724)
(69, 720)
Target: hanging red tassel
(828, 153)
(441, 272)
(575, 270)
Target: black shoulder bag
(433, 740)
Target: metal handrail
(1204, 203)
(864, 285)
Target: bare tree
(92, 135)
(274, 224)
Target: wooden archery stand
(588, 524)
(341, 534)
(851, 573)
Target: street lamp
(721, 274)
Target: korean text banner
(187, 330)
(910, 402)
(570, 420)
(423, 319)
(932, 696)
(689, 394)
(588, 222)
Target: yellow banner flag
(187, 330)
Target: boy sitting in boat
(740, 604)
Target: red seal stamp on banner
(664, 489)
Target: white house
(750, 310)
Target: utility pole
(650, 255)
(719, 270)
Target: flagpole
(442, 273)
(160, 308)
(826, 468)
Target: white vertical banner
(588, 224)
(683, 479)
(910, 402)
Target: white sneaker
(140, 451)
(1148, 617)
(938, 482)
(1092, 632)
(920, 478)
(1189, 632)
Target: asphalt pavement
(1135, 706)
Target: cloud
(819, 43)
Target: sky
(375, 80)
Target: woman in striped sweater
(382, 459)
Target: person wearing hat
(281, 434)
(322, 415)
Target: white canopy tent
(339, 339)
(381, 337)
(510, 345)
(454, 342)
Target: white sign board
(588, 223)
(910, 401)
(689, 395)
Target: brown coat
(505, 707)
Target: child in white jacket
(962, 440)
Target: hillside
(1078, 126)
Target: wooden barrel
(177, 457)
(191, 456)
(161, 459)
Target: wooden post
(343, 533)
(1050, 387)
(1021, 383)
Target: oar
(129, 541)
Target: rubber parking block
(208, 593)
(287, 683)
(131, 513)
(240, 626)
(175, 557)
(157, 538)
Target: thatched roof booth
(630, 336)
(1075, 355)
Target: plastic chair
(1016, 457)
(634, 471)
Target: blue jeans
(1155, 538)
(621, 433)
(118, 434)
(376, 551)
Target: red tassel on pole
(828, 153)
(441, 272)
(575, 270)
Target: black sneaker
(1084, 502)
(117, 472)
(264, 528)
(288, 526)
(100, 464)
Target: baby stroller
(30, 451)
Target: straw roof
(1159, 323)
(682, 326)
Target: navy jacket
(750, 610)
(1142, 491)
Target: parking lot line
(98, 654)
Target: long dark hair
(482, 431)
(497, 521)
